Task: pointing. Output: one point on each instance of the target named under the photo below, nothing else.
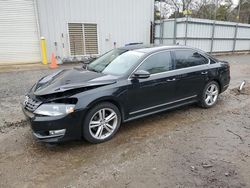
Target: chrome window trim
(160, 105)
(130, 76)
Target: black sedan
(122, 85)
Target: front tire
(210, 95)
(101, 123)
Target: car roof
(152, 47)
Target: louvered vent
(76, 39)
(90, 35)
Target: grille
(31, 104)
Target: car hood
(70, 79)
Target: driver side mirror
(141, 74)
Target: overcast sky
(235, 2)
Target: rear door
(150, 94)
(191, 70)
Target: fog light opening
(57, 132)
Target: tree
(222, 13)
(162, 10)
(242, 10)
(181, 6)
(205, 9)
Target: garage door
(19, 42)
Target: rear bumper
(57, 128)
(224, 88)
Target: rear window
(212, 59)
(188, 58)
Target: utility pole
(215, 10)
(236, 26)
(161, 24)
(238, 13)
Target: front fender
(117, 96)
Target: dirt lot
(187, 147)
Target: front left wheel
(101, 123)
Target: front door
(153, 93)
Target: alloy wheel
(211, 94)
(103, 123)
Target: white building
(70, 27)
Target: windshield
(115, 62)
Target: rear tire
(210, 95)
(101, 123)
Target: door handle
(171, 80)
(205, 72)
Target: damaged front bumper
(52, 129)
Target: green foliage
(157, 15)
(222, 12)
(176, 14)
(206, 11)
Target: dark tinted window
(159, 62)
(212, 61)
(188, 58)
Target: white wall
(120, 21)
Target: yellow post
(43, 49)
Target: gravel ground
(187, 147)
(14, 85)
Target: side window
(159, 62)
(212, 61)
(188, 58)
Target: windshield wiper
(91, 69)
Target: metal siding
(201, 44)
(168, 29)
(157, 31)
(199, 30)
(168, 41)
(180, 42)
(120, 21)
(224, 31)
(199, 34)
(199, 21)
(157, 41)
(243, 32)
(19, 42)
(180, 28)
(242, 45)
(223, 45)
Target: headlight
(55, 109)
